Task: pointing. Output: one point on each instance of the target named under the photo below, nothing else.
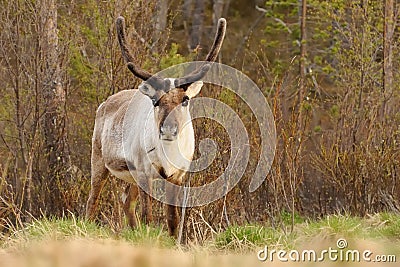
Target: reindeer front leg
(172, 211)
(144, 182)
(146, 208)
(171, 197)
(129, 204)
(172, 219)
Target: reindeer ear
(194, 89)
(147, 89)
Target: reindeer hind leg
(99, 174)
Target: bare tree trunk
(226, 8)
(160, 20)
(54, 98)
(25, 186)
(218, 8)
(187, 13)
(303, 48)
(197, 25)
(388, 56)
(359, 103)
(187, 9)
(302, 67)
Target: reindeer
(169, 136)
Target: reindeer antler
(185, 81)
(138, 72)
(218, 40)
(212, 56)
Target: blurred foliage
(172, 57)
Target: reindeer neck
(178, 154)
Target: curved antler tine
(218, 40)
(196, 76)
(138, 72)
(212, 56)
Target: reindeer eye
(155, 102)
(185, 101)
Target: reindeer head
(170, 96)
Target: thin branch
(247, 36)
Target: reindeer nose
(169, 131)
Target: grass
(71, 228)
(250, 237)
(380, 232)
(378, 226)
(240, 238)
(388, 225)
(148, 235)
(52, 229)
